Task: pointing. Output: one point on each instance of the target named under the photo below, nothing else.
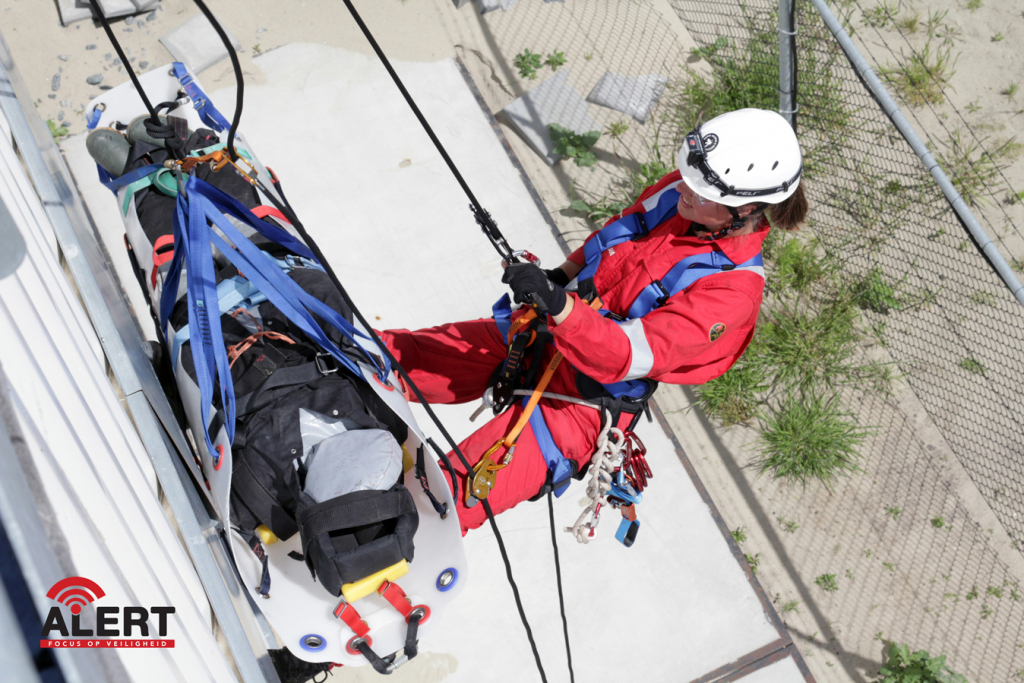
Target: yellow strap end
(266, 535)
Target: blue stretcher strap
(193, 242)
(115, 184)
(231, 293)
(207, 112)
(94, 119)
(625, 229)
(558, 464)
(502, 310)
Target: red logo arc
(75, 592)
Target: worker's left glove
(530, 285)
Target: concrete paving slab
(491, 5)
(197, 44)
(70, 12)
(111, 8)
(633, 95)
(553, 101)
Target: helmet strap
(738, 222)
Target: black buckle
(325, 363)
(660, 301)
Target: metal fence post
(787, 61)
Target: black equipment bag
(350, 537)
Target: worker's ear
(746, 210)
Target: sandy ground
(948, 590)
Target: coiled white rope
(607, 456)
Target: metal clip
(323, 366)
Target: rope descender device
(217, 159)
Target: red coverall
(696, 336)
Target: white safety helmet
(745, 156)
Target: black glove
(530, 285)
(558, 276)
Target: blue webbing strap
(115, 184)
(207, 112)
(278, 287)
(193, 237)
(502, 310)
(625, 229)
(681, 276)
(558, 464)
(209, 358)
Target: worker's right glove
(530, 285)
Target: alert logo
(115, 626)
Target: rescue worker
(734, 172)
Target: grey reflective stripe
(653, 200)
(642, 358)
(758, 270)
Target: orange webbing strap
(485, 471)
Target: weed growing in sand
(938, 522)
(973, 5)
(739, 534)
(997, 37)
(617, 128)
(890, 566)
(754, 561)
(973, 366)
(971, 167)
(935, 21)
(788, 525)
(797, 266)
(973, 107)
(574, 145)
(807, 437)
(600, 211)
(922, 78)
(982, 298)
(527, 62)
(1011, 90)
(827, 583)
(973, 594)
(732, 398)
(555, 60)
(902, 666)
(873, 292)
(57, 130)
(994, 591)
(791, 606)
(881, 15)
(893, 511)
(909, 22)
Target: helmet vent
(727, 171)
(774, 165)
(750, 167)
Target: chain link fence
(950, 323)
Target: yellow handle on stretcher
(363, 587)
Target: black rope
(124, 61)
(238, 76)
(483, 218)
(558, 577)
(311, 243)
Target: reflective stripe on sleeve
(642, 358)
(653, 200)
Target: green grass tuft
(809, 437)
(827, 583)
(923, 77)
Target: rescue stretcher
(312, 624)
